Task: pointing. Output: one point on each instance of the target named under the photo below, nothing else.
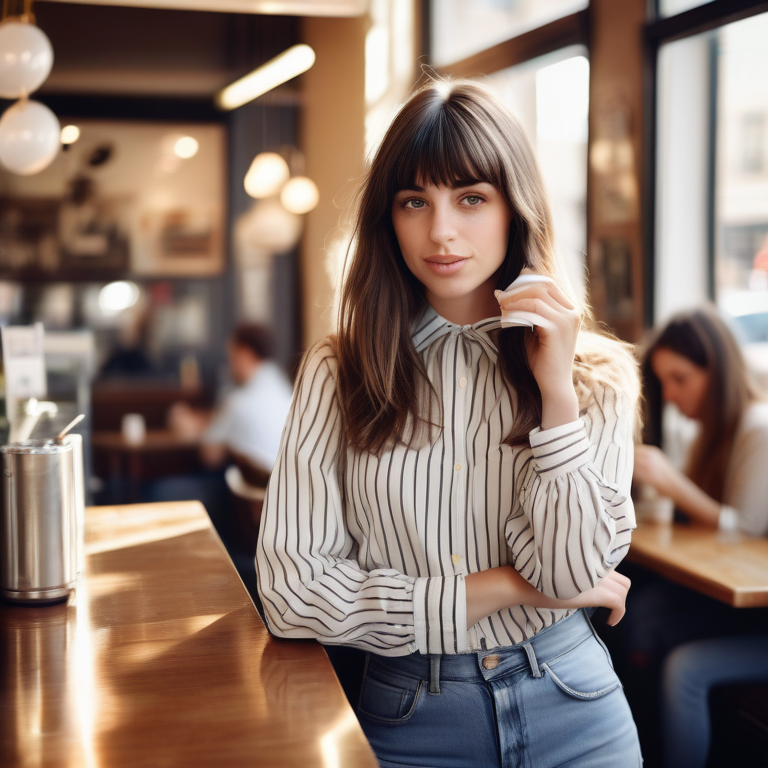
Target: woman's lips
(446, 265)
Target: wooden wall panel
(614, 225)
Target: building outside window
(712, 178)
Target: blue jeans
(552, 701)
(690, 672)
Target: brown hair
(702, 337)
(253, 336)
(448, 132)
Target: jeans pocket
(387, 703)
(585, 672)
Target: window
(460, 28)
(549, 95)
(712, 178)
(741, 181)
(753, 142)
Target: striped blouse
(380, 562)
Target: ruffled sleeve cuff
(560, 450)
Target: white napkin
(520, 318)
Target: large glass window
(712, 178)
(550, 97)
(461, 28)
(741, 201)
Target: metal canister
(39, 530)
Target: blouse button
(457, 467)
(463, 382)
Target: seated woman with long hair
(695, 362)
(449, 494)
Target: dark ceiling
(110, 50)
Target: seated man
(249, 420)
(247, 425)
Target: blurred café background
(152, 231)
(172, 207)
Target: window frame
(658, 32)
(572, 29)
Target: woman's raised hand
(551, 347)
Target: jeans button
(491, 662)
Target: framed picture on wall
(140, 198)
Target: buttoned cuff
(440, 614)
(560, 450)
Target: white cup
(134, 428)
(519, 317)
(653, 508)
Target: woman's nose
(443, 227)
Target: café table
(159, 658)
(730, 567)
(162, 452)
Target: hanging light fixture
(30, 137)
(26, 58)
(266, 176)
(30, 134)
(299, 195)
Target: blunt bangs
(447, 146)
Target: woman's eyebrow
(464, 183)
(410, 188)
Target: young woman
(695, 362)
(449, 494)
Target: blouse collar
(429, 327)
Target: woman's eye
(414, 203)
(473, 200)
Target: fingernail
(498, 293)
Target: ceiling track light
(284, 67)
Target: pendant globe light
(30, 135)
(299, 195)
(26, 58)
(267, 174)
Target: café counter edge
(159, 658)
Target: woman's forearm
(698, 505)
(497, 588)
(655, 469)
(490, 591)
(559, 407)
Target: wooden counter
(729, 567)
(160, 659)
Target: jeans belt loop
(434, 673)
(532, 661)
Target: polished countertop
(730, 567)
(160, 659)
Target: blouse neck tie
(430, 326)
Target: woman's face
(682, 381)
(454, 241)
